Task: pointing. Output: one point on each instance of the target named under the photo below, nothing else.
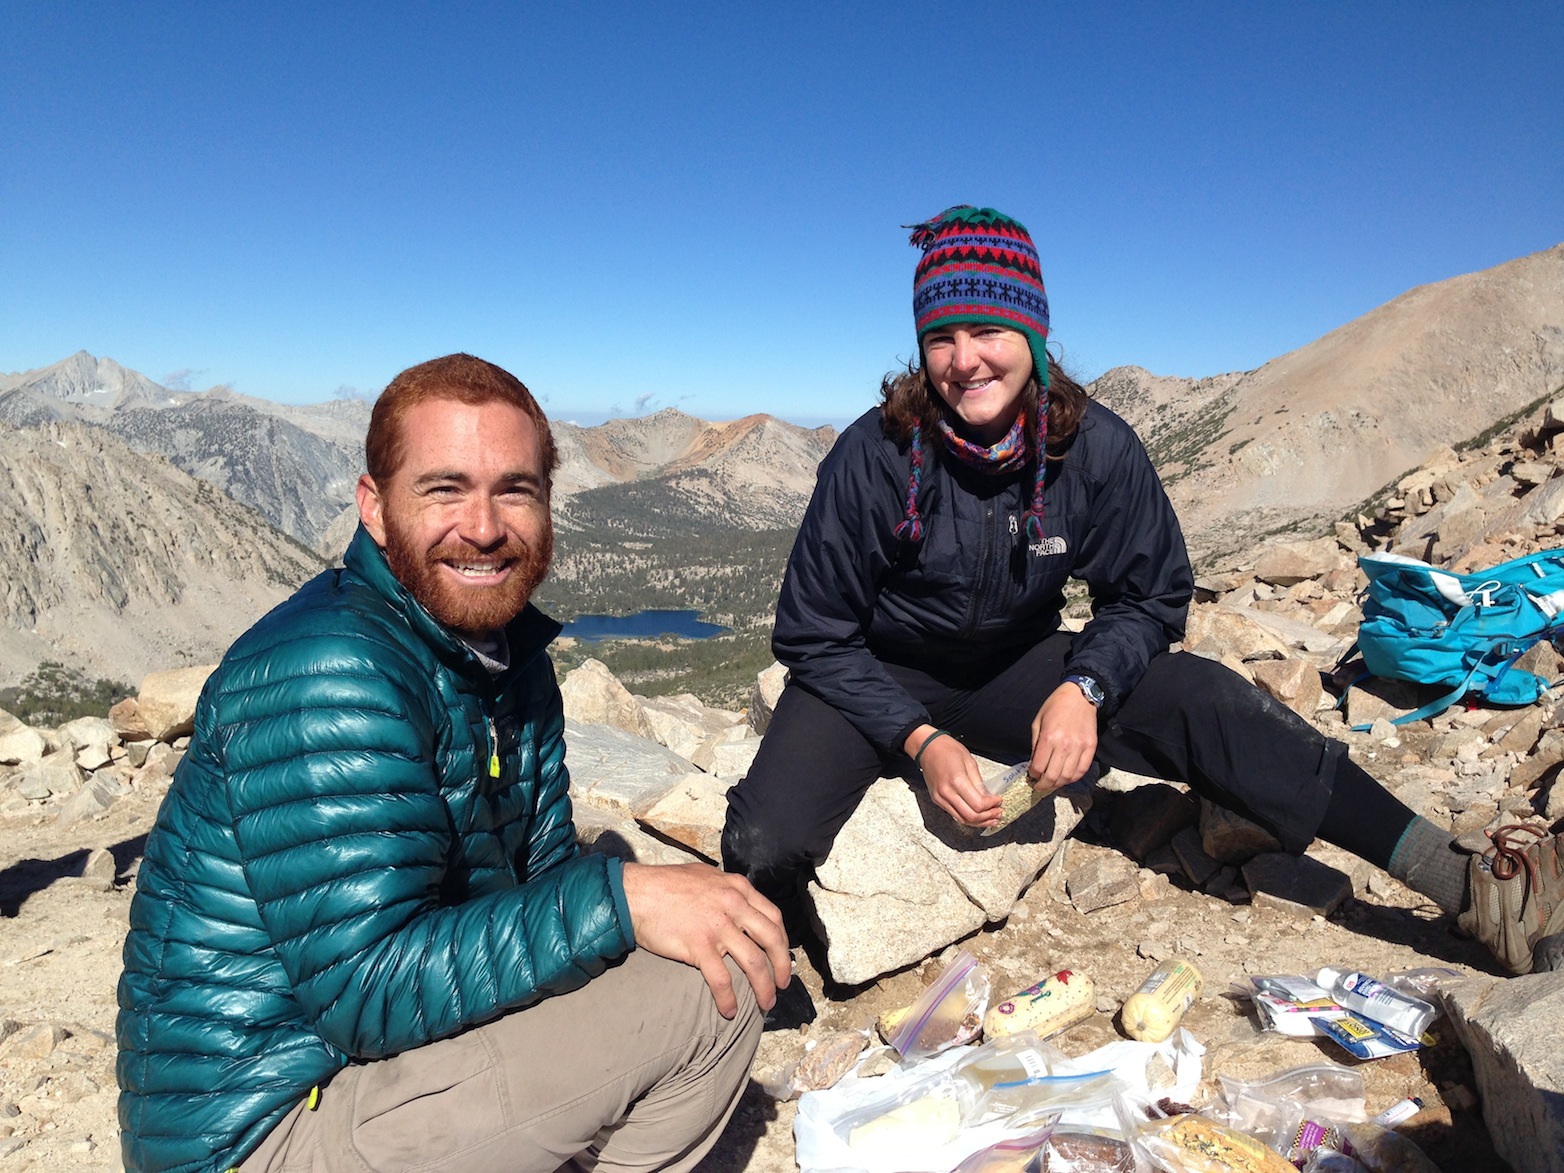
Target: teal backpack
(1462, 631)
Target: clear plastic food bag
(1320, 1090)
(1383, 1150)
(1424, 981)
(1056, 1150)
(947, 1014)
(825, 1061)
(1195, 1143)
(1023, 1079)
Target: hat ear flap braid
(1034, 515)
(911, 527)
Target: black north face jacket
(974, 594)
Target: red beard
(470, 610)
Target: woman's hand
(1064, 738)
(953, 778)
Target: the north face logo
(1050, 545)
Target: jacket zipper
(494, 749)
(986, 556)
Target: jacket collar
(528, 634)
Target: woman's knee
(760, 840)
(810, 772)
(1213, 691)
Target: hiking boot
(1515, 895)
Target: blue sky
(639, 206)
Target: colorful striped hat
(979, 265)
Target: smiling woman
(981, 372)
(920, 616)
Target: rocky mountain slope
(664, 511)
(78, 387)
(757, 471)
(119, 562)
(295, 465)
(1299, 442)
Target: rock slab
(166, 704)
(903, 880)
(1514, 1032)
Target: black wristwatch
(1089, 687)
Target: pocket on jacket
(426, 1104)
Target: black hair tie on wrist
(917, 759)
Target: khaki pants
(634, 1071)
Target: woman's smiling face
(980, 371)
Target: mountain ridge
(1302, 439)
(684, 511)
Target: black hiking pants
(1188, 720)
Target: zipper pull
(1015, 533)
(494, 750)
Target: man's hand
(953, 779)
(1064, 738)
(693, 913)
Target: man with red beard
(363, 936)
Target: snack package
(948, 1013)
(1021, 1155)
(1362, 1038)
(1193, 1143)
(1087, 1150)
(992, 1074)
(1310, 1137)
(1047, 1007)
(1152, 1012)
(1295, 1005)
(912, 1127)
(1018, 794)
(824, 1061)
(1289, 1003)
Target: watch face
(1090, 687)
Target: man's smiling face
(464, 520)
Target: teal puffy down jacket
(335, 874)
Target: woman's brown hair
(909, 401)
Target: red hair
(459, 377)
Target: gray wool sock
(1427, 861)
